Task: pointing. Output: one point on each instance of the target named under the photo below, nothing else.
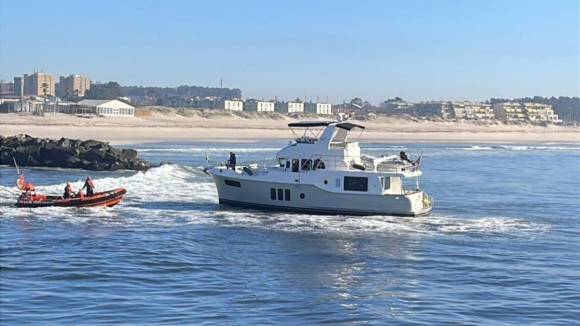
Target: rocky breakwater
(68, 153)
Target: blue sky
(418, 50)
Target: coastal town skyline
(419, 51)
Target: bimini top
(323, 123)
(305, 124)
(348, 126)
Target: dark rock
(68, 153)
(139, 165)
(20, 157)
(129, 153)
(101, 166)
(91, 143)
(60, 155)
(76, 143)
(49, 145)
(95, 155)
(5, 158)
(110, 158)
(64, 142)
(74, 162)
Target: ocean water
(501, 247)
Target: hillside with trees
(113, 90)
(182, 91)
(104, 91)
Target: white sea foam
(166, 183)
(173, 195)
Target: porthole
(302, 196)
(325, 182)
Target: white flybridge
(321, 172)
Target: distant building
(107, 108)
(6, 88)
(71, 83)
(207, 103)
(318, 108)
(395, 104)
(540, 112)
(289, 107)
(509, 111)
(472, 110)
(33, 84)
(440, 109)
(18, 86)
(394, 107)
(259, 106)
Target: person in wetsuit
(90, 186)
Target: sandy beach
(180, 125)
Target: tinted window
(280, 194)
(356, 183)
(287, 194)
(233, 183)
(306, 164)
(295, 165)
(273, 193)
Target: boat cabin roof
(323, 123)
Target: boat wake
(176, 195)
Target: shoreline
(222, 126)
(146, 134)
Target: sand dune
(161, 124)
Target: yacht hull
(310, 199)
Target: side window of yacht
(232, 183)
(356, 183)
(295, 164)
(306, 165)
(386, 183)
(281, 161)
(287, 164)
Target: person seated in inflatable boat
(68, 192)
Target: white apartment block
(318, 108)
(540, 112)
(231, 105)
(289, 107)
(259, 106)
(509, 111)
(472, 110)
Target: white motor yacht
(321, 172)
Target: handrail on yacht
(350, 162)
(331, 162)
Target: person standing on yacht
(232, 160)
